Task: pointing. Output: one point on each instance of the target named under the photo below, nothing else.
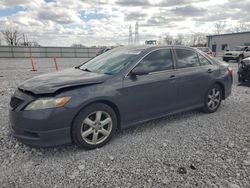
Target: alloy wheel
(96, 127)
(214, 98)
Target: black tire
(207, 106)
(239, 78)
(78, 125)
(240, 58)
(225, 60)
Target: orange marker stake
(33, 67)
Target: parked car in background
(238, 53)
(102, 50)
(206, 50)
(115, 90)
(244, 70)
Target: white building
(220, 43)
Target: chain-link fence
(46, 52)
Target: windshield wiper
(85, 69)
(77, 67)
(107, 73)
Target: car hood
(52, 82)
(233, 52)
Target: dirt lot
(190, 149)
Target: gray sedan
(120, 88)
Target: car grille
(228, 53)
(15, 102)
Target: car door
(194, 76)
(153, 94)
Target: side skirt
(125, 125)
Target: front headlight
(48, 102)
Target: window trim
(153, 50)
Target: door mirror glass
(139, 71)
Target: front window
(111, 62)
(158, 60)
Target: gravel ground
(190, 149)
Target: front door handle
(210, 70)
(172, 77)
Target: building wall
(231, 40)
(46, 52)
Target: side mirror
(137, 71)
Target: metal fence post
(61, 52)
(46, 52)
(12, 51)
(75, 52)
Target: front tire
(239, 78)
(94, 126)
(212, 99)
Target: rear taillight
(230, 70)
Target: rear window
(203, 60)
(186, 58)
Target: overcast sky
(106, 22)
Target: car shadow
(168, 120)
(246, 84)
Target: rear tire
(94, 126)
(212, 99)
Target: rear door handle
(172, 77)
(210, 70)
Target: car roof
(145, 47)
(242, 46)
(202, 47)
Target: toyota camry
(125, 86)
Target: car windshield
(238, 48)
(110, 62)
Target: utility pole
(130, 38)
(137, 39)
